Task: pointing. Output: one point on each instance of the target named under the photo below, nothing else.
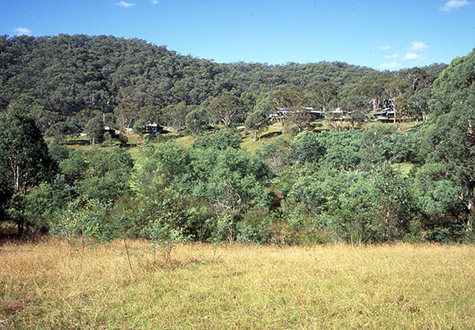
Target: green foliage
(255, 226)
(396, 203)
(199, 191)
(57, 151)
(353, 206)
(107, 173)
(276, 153)
(60, 76)
(24, 157)
(324, 94)
(450, 138)
(74, 167)
(175, 115)
(375, 145)
(95, 130)
(166, 219)
(98, 173)
(86, 219)
(342, 149)
(220, 139)
(223, 109)
(256, 121)
(46, 201)
(314, 187)
(123, 140)
(197, 120)
(436, 193)
(69, 127)
(140, 126)
(307, 147)
(231, 180)
(445, 231)
(24, 161)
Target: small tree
(307, 147)
(197, 120)
(256, 122)
(85, 219)
(140, 127)
(95, 130)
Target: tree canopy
(67, 76)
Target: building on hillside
(153, 127)
(385, 115)
(284, 112)
(112, 131)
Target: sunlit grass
(239, 287)
(186, 141)
(270, 134)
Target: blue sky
(384, 35)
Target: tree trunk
(386, 231)
(282, 127)
(471, 204)
(424, 116)
(20, 227)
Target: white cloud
(410, 56)
(392, 56)
(417, 47)
(22, 31)
(155, 2)
(125, 4)
(392, 65)
(387, 47)
(454, 4)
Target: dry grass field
(58, 286)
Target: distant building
(284, 112)
(385, 115)
(112, 131)
(152, 127)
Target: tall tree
(175, 115)
(324, 94)
(24, 157)
(451, 136)
(223, 108)
(286, 102)
(95, 130)
(256, 121)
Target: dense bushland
(312, 188)
(307, 186)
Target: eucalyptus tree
(95, 130)
(450, 139)
(324, 95)
(223, 108)
(256, 121)
(24, 159)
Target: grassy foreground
(238, 287)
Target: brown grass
(238, 287)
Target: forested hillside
(64, 76)
(345, 178)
